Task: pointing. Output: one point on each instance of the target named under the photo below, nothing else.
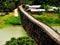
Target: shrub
(20, 41)
(46, 7)
(57, 20)
(9, 19)
(59, 13)
(12, 20)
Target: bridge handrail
(55, 36)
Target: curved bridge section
(43, 34)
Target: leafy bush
(9, 19)
(13, 20)
(20, 41)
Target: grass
(49, 18)
(9, 20)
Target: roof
(34, 6)
(50, 9)
(36, 10)
(56, 8)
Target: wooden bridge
(43, 34)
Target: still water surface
(56, 28)
(9, 32)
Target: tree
(49, 2)
(12, 4)
(20, 41)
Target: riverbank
(9, 20)
(51, 19)
(8, 32)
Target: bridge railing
(43, 34)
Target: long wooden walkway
(43, 34)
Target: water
(56, 28)
(9, 32)
(15, 31)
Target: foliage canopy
(9, 5)
(20, 41)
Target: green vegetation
(58, 12)
(50, 19)
(46, 7)
(12, 20)
(10, 5)
(47, 2)
(21, 41)
(8, 20)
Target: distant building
(50, 9)
(28, 5)
(55, 8)
(33, 8)
(37, 10)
